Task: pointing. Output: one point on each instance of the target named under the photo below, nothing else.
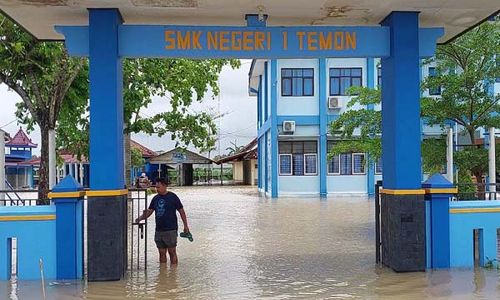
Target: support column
(370, 83)
(2, 165)
(449, 154)
(403, 206)
(107, 217)
(492, 161)
(323, 127)
(274, 128)
(438, 193)
(52, 158)
(68, 199)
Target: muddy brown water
(248, 247)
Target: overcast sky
(237, 125)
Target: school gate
(108, 31)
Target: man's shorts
(166, 239)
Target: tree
(234, 148)
(41, 74)
(180, 82)
(466, 70)
(360, 130)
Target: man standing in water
(165, 205)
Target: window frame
(305, 164)
(291, 82)
(328, 166)
(291, 165)
(352, 163)
(376, 165)
(434, 91)
(340, 79)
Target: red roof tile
(146, 152)
(21, 139)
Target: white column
(64, 170)
(75, 171)
(52, 158)
(449, 155)
(2, 165)
(491, 161)
(80, 174)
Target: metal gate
(378, 240)
(137, 232)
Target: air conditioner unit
(288, 126)
(334, 103)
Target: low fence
(21, 224)
(478, 191)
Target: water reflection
(248, 247)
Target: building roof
(40, 16)
(179, 155)
(146, 152)
(248, 152)
(21, 139)
(7, 135)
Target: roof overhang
(40, 16)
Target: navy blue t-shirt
(165, 207)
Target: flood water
(248, 247)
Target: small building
(245, 166)
(19, 150)
(181, 159)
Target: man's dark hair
(162, 181)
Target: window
(346, 163)
(434, 91)
(297, 82)
(285, 164)
(310, 160)
(341, 79)
(358, 163)
(378, 166)
(379, 76)
(298, 158)
(334, 166)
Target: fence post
(68, 199)
(378, 184)
(438, 191)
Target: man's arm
(145, 214)
(184, 219)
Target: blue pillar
(68, 198)
(402, 206)
(401, 104)
(323, 127)
(106, 101)
(274, 128)
(438, 192)
(107, 205)
(370, 83)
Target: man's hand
(186, 229)
(138, 220)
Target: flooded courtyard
(248, 247)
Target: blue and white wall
(312, 118)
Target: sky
(238, 124)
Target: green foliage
(179, 83)
(359, 130)
(136, 158)
(466, 189)
(234, 148)
(466, 68)
(41, 73)
(433, 155)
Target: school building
(304, 96)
